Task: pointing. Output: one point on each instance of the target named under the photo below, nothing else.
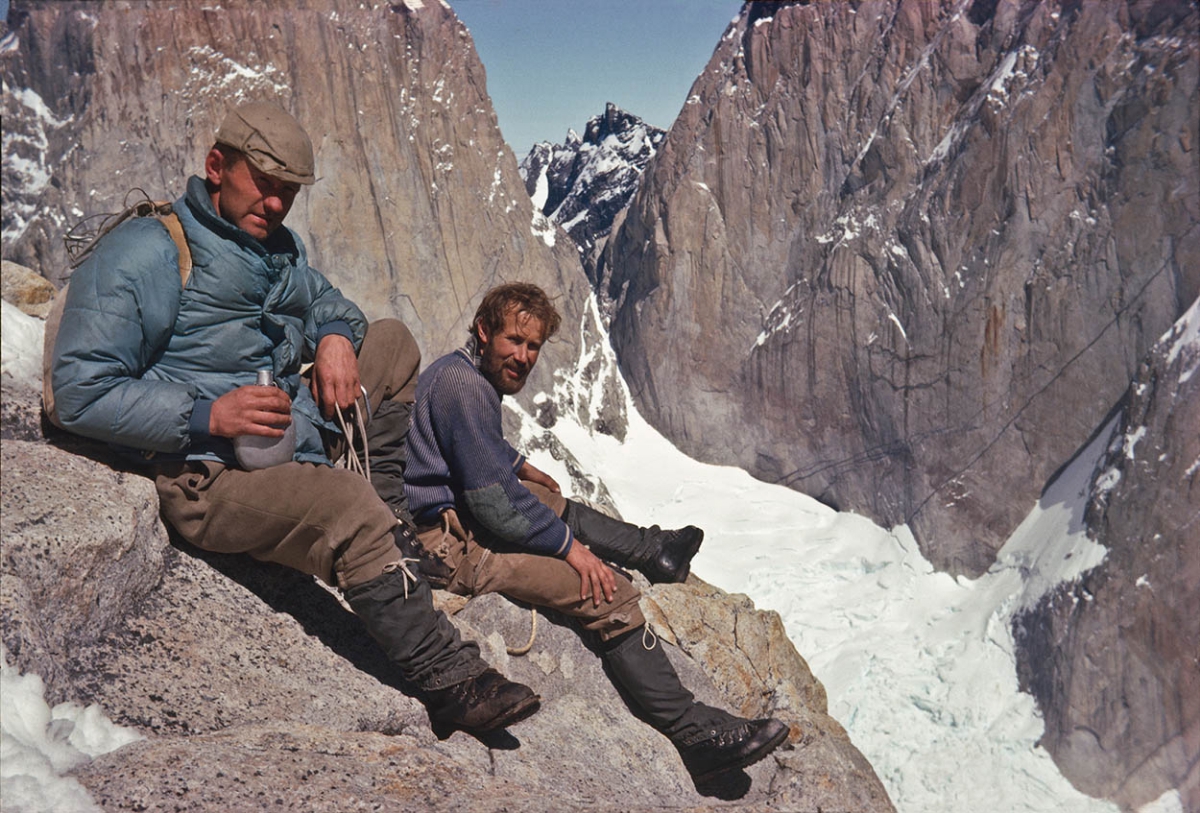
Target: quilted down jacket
(139, 359)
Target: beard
(499, 374)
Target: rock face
(1112, 660)
(255, 688)
(904, 256)
(419, 207)
(584, 184)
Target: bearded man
(489, 521)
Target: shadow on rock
(728, 786)
(316, 609)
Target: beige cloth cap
(271, 139)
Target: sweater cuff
(198, 422)
(570, 543)
(337, 327)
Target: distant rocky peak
(626, 128)
(582, 184)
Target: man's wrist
(336, 328)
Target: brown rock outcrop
(904, 256)
(32, 293)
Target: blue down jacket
(139, 360)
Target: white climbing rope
(350, 455)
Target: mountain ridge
(582, 184)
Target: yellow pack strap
(175, 228)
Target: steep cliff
(1113, 659)
(419, 207)
(905, 256)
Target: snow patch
(1012, 71)
(1169, 802)
(1183, 339)
(541, 227)
(25, 158)
(1052, 546)
(214, 72)
(41, 745)
(1131, 441)
(779, 317)
(541, 189)
(847, 228)
(21, 345)
(497, 178)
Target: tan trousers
(479, 563)
(322, 521)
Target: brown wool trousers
(480, 563)
(322, 521)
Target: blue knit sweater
(458, 457)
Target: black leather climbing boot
(460, 689)
(718, 746)
(710, 741)
(663, 556)
(482, 703)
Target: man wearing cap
(168, 370)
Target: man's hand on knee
(335, 379)
(596, 578)
(535, 475)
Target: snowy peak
(582, 184)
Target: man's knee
(622, 616)
(391, 332)
(616, 617)
(555, 501)
(389, 361)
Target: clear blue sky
(553, 64)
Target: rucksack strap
(175, 227)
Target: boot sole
(515, 714)
(745, 760)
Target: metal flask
(258, 452)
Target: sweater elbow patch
(490, 505)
